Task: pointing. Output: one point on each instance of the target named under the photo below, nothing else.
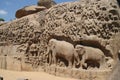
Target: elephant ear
(82, 51)
(52, 43)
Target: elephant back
(94, 51)
(64, 46)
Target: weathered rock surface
(115, 72)
(2, 23)
(29, 10)
(90, 23)
(46, 3)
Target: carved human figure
(34, 49)
(89, 53)
(61, 49)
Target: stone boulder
(46, 3)
(28, 10)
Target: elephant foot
(102, 67)
(85, 64)
(69, 67)
(80, 68)
(77, 64)
(54, 65)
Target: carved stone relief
(70, 38)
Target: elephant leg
(54, 58)
(102, 63)
(83, 62)
(76, 56)
(70, 64)
(50, 59)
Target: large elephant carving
(61, 49)
(90, 53)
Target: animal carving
(61, 49)
(89, 53)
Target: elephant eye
(77, 50)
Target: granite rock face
(86, 23)
(92, 24)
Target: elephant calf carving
(89, 53)
(61, 49)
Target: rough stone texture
(28, 10)
(115, 72)
(78, 73)
(46, 3)
(90, 23)
(2, 23)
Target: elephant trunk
(49, 55)
(76, 57)
(48, 50)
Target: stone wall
(92, 23)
